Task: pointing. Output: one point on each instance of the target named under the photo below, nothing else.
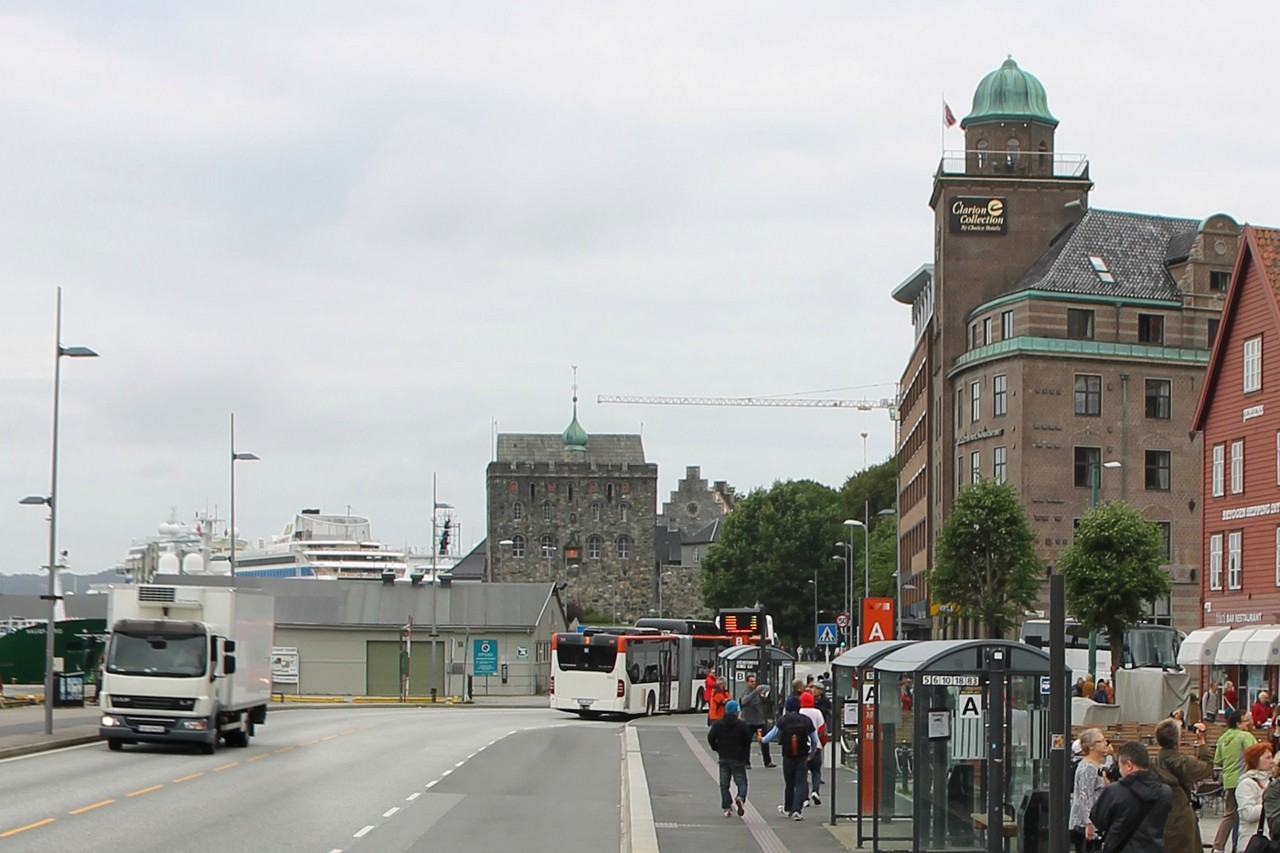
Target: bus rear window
(594, 658)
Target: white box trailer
(186, 664)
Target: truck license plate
(159, 730)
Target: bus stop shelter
(974, 721)
(854, 700)
(770, 665)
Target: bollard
(433, 696)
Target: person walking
(719, 698)
(1229, 698)
(1211, 703)
(1131, 813)
(798, 737)
(815, 758)
(1228, 756)
(1086, 789)
(755, 703)
(1181, 772)
(708, 687)
(730, 738)
(1251, 787)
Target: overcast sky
(371, 230)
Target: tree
(1112, 571)
(884, 558)
(877, 486)
(986, 566)
(770, 547)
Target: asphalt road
(322, 780)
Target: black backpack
(793, 734)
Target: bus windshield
(598, 657)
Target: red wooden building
(1238, 417)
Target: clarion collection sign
(978, 215)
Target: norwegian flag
(948, 117)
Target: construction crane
(786, 402)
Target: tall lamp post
(1095, 477)
(51, 501)
(848, 592)
(851, 523)
(890, 512)
(235, 457)
(815, 606)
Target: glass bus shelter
(770, 665)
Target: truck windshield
(173, 656)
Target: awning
(1263, 648)
(1231, 647)
(1200, 648)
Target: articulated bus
(1145, 645)
(698, 644)
(625, 671)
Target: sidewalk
(683, 797)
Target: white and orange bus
(625, 671)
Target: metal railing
(985, 160)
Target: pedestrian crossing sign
(827, 634)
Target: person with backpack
(1228, 756)
(809, 709)
(1087, 785)
(731, 738)
(795, 732)
(1132, 812)
(1181, 772)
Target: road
(322, 780)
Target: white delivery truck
(186, 664)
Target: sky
(373, 231)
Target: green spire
(574, 436)
(1010, 94)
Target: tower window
(1219, 280)
(517, 511)
(624, 547)
(1013, 152)
(593, 547)
(546, 511)
(548, 545)
(595, 512)
(517, 546)
(982, 153)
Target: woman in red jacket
(720, 698)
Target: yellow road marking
(226, 767)
(29, 826)
(146, 790)
(259, 757)
(366, 728)
(328, 737)
(309, 743)
(187, 778)
(84, 809)
(284, 749)
(349, 732)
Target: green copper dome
(574, 436)
(1010, 94)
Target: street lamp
(1095, 476)
(848, 591)
(897, 575)
(235, 457)
(59, 353)
(815, 606)
(662, 578)
(866, 552)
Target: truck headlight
(109, 721)
(193, 725)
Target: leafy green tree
(770, 547)
(884, 558)
(1112, 571)
(877, 486)
(987, 567)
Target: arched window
(594, 545)
(546, 510)
(548, 545)
(1013, 152)
(624, 547)
(982, 153)
(595, 512)
(570, 495)
(624, 512)
(517, 511)
(517, 546)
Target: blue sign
(827, 634)
(1044, 685)
(485, 658)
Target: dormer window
(1100, 267)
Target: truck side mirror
(229, 664)
(228, 646)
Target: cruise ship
(315, 545)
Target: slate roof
(708, 535)
(543, 448)
(471, 567)
(1135, 247)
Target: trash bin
(68, 690)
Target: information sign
(485, 657)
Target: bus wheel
(650, 705)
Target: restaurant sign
(978, 215)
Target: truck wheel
(115, 745)
(211, 747)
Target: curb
(643, 833)
(46, 746)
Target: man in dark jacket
(754, 704)
(1182, 772)
(1132, 812)
(730, 738)
(799, 739)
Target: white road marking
(460, 763)
(390, 812)
(362, 833)
(446, 773)
(432, 783)
(414, 796)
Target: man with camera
(1181, 772)
(1131, 813)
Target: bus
(1145, 645)
(620, 671)
(699, 643)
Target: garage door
(382, 668)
